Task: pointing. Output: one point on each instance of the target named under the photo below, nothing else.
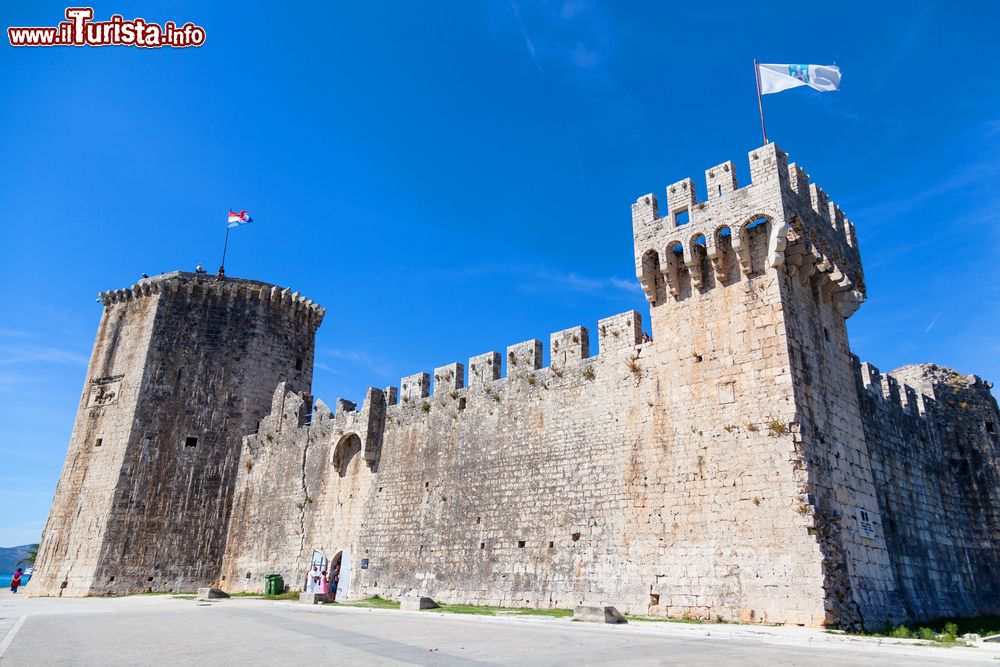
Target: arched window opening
(346, 450)
(757, 223)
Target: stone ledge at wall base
(597, 614)
(416, 603)
(314, 598)
(212, 594)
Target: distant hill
(10, 556)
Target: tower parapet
(189, 284)
(806, 233)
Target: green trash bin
(274, 584)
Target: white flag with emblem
(776, 78)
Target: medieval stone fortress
(740, 465)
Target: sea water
(5, 581)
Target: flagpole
(760, 103)
(222, 267)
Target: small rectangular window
(298, 364)
(98, 442)
(520, 544)
(681, 217)
(990, 427)
(191, 441)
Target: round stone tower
(183, 366)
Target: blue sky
(449, 178)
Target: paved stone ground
(162, 630)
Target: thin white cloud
(541, 279)
(573, 35)
(933, 322)
(13, 333)
(527, 39)
(31, 354)
(355, 358)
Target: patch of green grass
(186, 596)
(552, 613)
(478, 610)
(246, 595)
(287, 595)
(374, 603)
(944, 631)
(467, 609)
(663, 619)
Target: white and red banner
(237, 218)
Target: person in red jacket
(15, 581)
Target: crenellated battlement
(892, 391)
(618, 334)
(807, 234)
(294, 410)
(192, 285)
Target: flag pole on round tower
(236, 218)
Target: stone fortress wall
(739, 466)
(718, 471)
(931, 434)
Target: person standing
(334, 580)
(15, 581)
(324, 584)
(313, 580)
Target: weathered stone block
(597, 614)
(211, 594)
(314, 598)
(416, 602)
